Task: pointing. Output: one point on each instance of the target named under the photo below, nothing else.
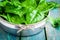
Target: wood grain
(53, 33)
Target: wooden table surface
(53, 33)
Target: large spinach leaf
(39, 13)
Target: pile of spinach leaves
(25, 11)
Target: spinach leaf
(39, 13)
(15, 19)
(29, 3)
(55, 22)
(12, 18)
(3, 3)
(15, 10)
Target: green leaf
(39, 13)
(3, 3)
(4, 16)
(29, 3)
(15, 10)
(15, 19)
(55, 21)
(30, 16)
